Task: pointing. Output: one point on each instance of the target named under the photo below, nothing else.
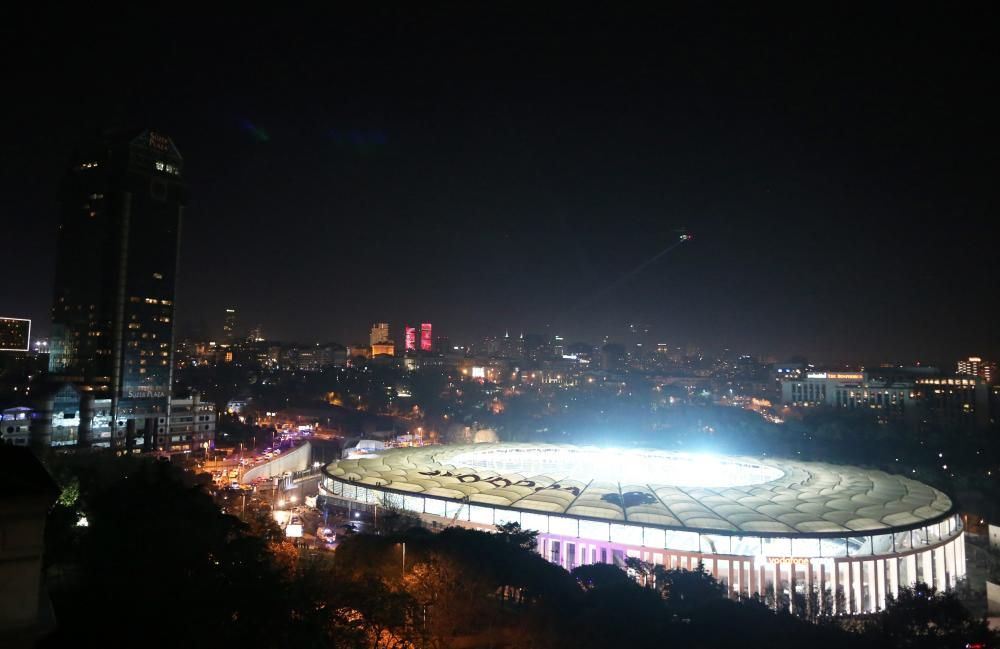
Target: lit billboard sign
(15, 334)
(837, 376)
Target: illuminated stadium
(847, 536)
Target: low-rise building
(68, 417)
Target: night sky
(488, 171)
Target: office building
(192, 427)
(410, 338)
(894, 394)
(122, 200)
(69, 417)
(976, 366)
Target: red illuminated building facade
(426, 338)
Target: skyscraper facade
(113, 309)
(410, 338)
(229, 326)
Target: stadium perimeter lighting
(843, 538)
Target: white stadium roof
(713, 494)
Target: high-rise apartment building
(113, 310)
(229, 326)
(426, 337)
(379, 333)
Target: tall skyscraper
(229, 326)
(426, 338)
(410, 338)
(113, 309)
(379, 333)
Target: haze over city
(444, 166)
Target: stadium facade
(820, 537)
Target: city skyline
(836, 202)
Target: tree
(155, 539)
(599, 575)
(921, 617)
(688, 589)
(514, 535)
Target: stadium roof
(730, 495)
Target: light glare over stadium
(846, 536)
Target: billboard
(15, 334)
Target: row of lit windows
(169, 168)
(969, 382)
(150, 300)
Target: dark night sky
(839, 171)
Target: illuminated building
(379, 333)
(229, 326)
(510, 347)
(15, 334)
(842, 538)
(113, 308)
(311, 358)
(827, 388)
(69, 417)
(426, 337)
(359, 351)
(15, 426)
(192, 427)
(410, 338)
(954, 401)
(384, 348)
(976, 366)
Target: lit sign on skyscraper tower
(425, 337)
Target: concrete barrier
(298, 459)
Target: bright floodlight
(614, 464)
